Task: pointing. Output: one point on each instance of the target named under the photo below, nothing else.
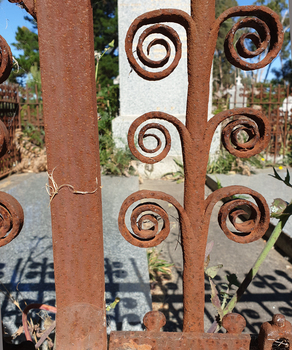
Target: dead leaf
(215, 298)
(18, 332)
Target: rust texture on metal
(70, 116)
(65, 31)
(11, 218)
(6, 61)
(274, 101)
(145, 238)
(11, 212)
(233, 323)
(10, 117)
(154, 340)
(202, 30)
(28, 5)
(278, 330)
(182, 341)
(154, 321)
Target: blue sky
(11, 17)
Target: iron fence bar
(286, 115)
(69, 105)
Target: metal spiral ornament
(4, 139)
(11, 218)
(144, 134)
(253, 123)
(149, 18)
(149, 221)
(250, 230)
(6, 61)
(267, 39)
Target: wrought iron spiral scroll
(254, 123)
(143, 134)
(153, 18)
(149, 213)
(6, 61)
(268, 37)
(252, 229)
(11, 213)
(11, 218)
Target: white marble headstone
(237, 98)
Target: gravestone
(237, 95)
(139, 96)
(287, 106)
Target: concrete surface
(126, 268)
(26, 265)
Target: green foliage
(226, 162)
(223, 164)
(33, 134)
(223, 71)
(288, 154)
(112, 305)
(34, 79)
(157, 264)
(105, 28)
(98, 55)
(27, 41)
(278, 177)
(179, 175)
(281, 208)
(219, 300)
(114, 161)
(107, 102)
(283, 74)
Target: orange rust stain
(134, 346)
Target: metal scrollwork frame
(202, 30)
(80, 289)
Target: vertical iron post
(70, 115)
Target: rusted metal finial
(278, 329)
(234, 323)
(154, 321)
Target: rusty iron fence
(10, 116)
(69, 98)
(31, 106)
(18, 106)
(275, 102)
